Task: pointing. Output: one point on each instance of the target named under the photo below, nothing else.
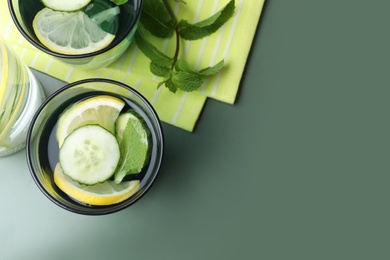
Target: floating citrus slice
(101, 194)
(70, 32)
(102, 110)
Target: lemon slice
(101, 194)
(69, 32)
(102, 110)
(68, 5)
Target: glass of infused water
(20, 96)
(86, 33)
(95, 146)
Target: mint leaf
(156, 18)
(212, 70)
(183, 65)
(186, 81)
(170, 85)
(150, 51)
(132, 137)
(208, 26)
(106, 15)
(119, 2)
(184, 77)
(160, 71)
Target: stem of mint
(173, 17)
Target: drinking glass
(42, 146)
(23, 13)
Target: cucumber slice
(65, 5)
(89, 155)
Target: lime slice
(102, 110)
(132, 136)
(69, 33)
(101, 194)
(68, 5)
(89, 155)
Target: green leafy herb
(186, 81)
(206, 27)
(132, 137)
(119, 2)
(150, 51)
(158, 70)
(211, 70)
(158, 18)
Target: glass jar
(20, 96)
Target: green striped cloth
(232, 42)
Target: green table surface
(298, 168)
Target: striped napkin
(231, 42)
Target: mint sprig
(176, 73)
(158, 18)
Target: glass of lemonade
(86, 33)
(20, 96)
(78, 131)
